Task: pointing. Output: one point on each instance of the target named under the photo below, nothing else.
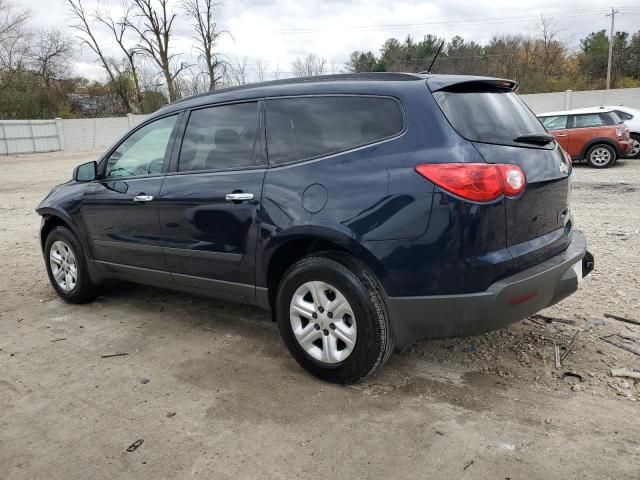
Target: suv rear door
(492, 116)
(209, 202)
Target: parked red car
(599, 137)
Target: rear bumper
(623, 147)
(506, 301)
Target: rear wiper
(535, 138)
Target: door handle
(238, 197)
(561, 135)
(143, 198)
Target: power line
(446, 58)
(468, 21)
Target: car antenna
(435, 57)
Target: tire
(635, 147)
(63, 252)
(341, 276)
(601, 155)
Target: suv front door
(120, 210)
(209, 203)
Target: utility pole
(613, 16)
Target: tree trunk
(170, 87)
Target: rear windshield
(489, 115)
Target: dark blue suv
(366, 211)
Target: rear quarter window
(300, 128)
(611, 118)
(489, 115)
(624, 115)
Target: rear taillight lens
(478, 182)
(619, 133)
(566, 156)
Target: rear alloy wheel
(601, 156)
(635, 146)
(333, 318)
(323, 322)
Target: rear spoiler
(462, 83)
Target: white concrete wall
(549, 102)
(87, 134)
(545, 102)
(36, 136)
(29, 136)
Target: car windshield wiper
(535, 138)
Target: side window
(588, 120)
(142, 152)
(307, 127)
(624, 115)
(555, 123)
(219, 138)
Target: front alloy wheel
(63, 265)
(635, 146)
(67, 267)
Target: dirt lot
(212, 391)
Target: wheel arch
(291, 246)
(51, 219)
(595, 141)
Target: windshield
(491, 115)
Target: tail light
(567, 157)
(478, 182)
(619, 133)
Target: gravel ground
(213, 393)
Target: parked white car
(631, 119)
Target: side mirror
(85, 172)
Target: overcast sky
(277, 31)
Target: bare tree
(553, 50)
(51, 55)
(193, 82)
(86, 34)
(206, 36)
(277, 73)
(11, 19)
(118, 29)
(235, 72)
(261, 69)
(154, 34)
(309, 66)
(14, 39)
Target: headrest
(226, 138)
